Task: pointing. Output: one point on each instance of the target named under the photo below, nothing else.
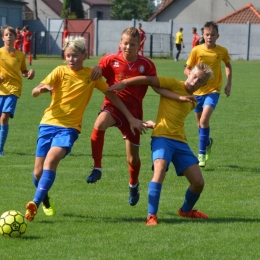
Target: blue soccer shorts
(206, 100)
(8, 104)
(50, 136)
(177, 152)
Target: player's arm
(187, 70)
(29, 74)
(134, 123)
(96, 72)
(42, 88)
(228, 69)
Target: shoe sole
(31, 211)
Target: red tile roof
(164, 5)
(54, 5)
(243, 15)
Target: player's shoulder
(145, 61)
(222, 48)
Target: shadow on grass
(241, 169)
(90, 155)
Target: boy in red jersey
(115, 68)
(211, 54)
(71, 89)
(142, 39)
(12, 68)
(19, 39)
(195, 37)
(27, 43)
(65, 34)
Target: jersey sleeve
(226, 57)
(101, 85)
(53, 77)
(23, 64)
(192, 60)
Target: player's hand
(30, 74)
(227, 90)
(96, 73)
(149, 124)
(183, 46)
(1, 79)
(45, 89)
(188, 99)
(119, 87)
(137, 124)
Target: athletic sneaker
(202, 160)
(48, 207)
(192, 214)
(208, 148)
(94, 176)
(1, 153)
(31, 211)
(134, 195)
(151, 220)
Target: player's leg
(134, 165)
(103, 121)
(195, 178)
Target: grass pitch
(96, 221)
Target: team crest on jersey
(87, 80)
(141, 69)
(116, 64)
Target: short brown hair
(132, 31)
(211, 24)
(9, 28)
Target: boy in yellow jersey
(169, 143)
(178, 43)
(71, 88)
(211, 54)
(12, 68)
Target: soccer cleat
(151, 220)
(1, 153)
(31, 211)
(134, 195)
(208, 148)
(48, 208)
(94, 176)
(202, 160)
(193, 214)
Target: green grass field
(96, 221)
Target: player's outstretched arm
(37, 91)
(134, 123)
(171, 95)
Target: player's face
(129, 46)
(74, 59)
(8, 38)
(210, 36)
(196, 79)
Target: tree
(132, 9)
(72, 9)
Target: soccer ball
(12, 224)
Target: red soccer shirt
(195, 38)
(115, 68)
(142, 35)
(27, 37)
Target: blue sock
(44, 185)
(189, 201)
(154, 192)
(35, 182)
(3, 135)
(204, 139)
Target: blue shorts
(50, 136)
(179, 153)
(206, 100)
(8, 104)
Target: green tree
(72, 9)
(132, 9)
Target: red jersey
(115, 68)
(18, 41)
(65, 35)
(195, 38)
(142, 35)
(27, 37)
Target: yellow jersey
(72, 91)
(213, 58)
(171, 113)
(179, 38)
(11, 66)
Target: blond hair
(205, 68)
(132, 31)
(75, 43)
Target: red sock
(134, 172)
(97, 143)
(30, 58)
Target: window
(99, 15)
(2, 20)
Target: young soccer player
(71, 88)
(178, 43)
(116, 67)
(19, 39)
(142, 39)
(27, 43)
(212, 54)
(169, 143)
(12, 68)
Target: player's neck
(211, 46)
(9, 48)
(133, 59)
